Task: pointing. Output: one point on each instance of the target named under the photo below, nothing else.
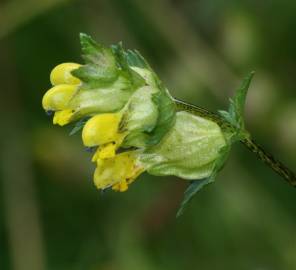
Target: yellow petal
(106, 151)
(57, 97)
(101, 129)
(62, 117)
(96, 155)
(61, 74)
(117, 172)
(121, 186)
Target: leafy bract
(166, 116)
(125, 67)
(149, 115)
(156, 100)
(107, 79)
(197, 185)
(235, 113)
(100, 68)
(135, 59)
(191, 190)
(78, 126)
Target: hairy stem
(261, 154)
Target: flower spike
(132, 123)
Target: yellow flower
(61, 74)
(117, 172)
(62, 117)
(102, 130)
(58, 97)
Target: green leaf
(100, 68)
(78, 126)
(237, 105)
(235, 113)
(191, 190)
(197, 185)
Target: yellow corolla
(61, 74)
(62, 117)
(64, 87)
(102, 130)
(58, 97)
(117, 172)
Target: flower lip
(118, 172)
(63, 117)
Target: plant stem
(261, 154)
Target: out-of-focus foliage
(52, 217)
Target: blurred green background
(51, 215)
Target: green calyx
(188, 150)
(232, 122)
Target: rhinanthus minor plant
(132, 123)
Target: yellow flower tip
(105, 151)
(96, 155)
(61, 74)
(117, 172)
(62, 117)
(58, 97)
(121, 186)
(101, 129)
